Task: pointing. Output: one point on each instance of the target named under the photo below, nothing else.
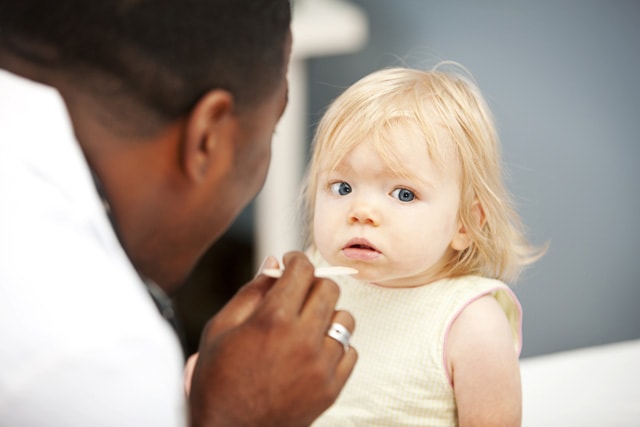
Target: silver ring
(339, 333)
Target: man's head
(174, 103)
(155, 57)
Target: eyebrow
(344, 167)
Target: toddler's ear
(462, 239)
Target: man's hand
(266, 359)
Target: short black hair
(164, 54)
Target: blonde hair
(431, 99)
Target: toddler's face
(396, 231)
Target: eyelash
(396, 193)
(343, 188)
(335, 188)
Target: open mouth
(360, 243)
(360, 249)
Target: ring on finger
(340, 333)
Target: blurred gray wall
(563, 80)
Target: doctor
(132, 133)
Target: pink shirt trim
(457, 314)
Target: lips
(360, 249)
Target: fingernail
(269, 262)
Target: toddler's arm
(484, 366)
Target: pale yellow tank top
(401, 378)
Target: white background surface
(590, 387)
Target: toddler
(405, 186)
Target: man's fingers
(345, 366)
(240, 307)
(319, 307)
(269, 262)
(289, 292)
(345, 319)
(338, 334)
(338, 347)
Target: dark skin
(287, 322)
(265, 359)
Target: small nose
(365, 214)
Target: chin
(168, 279)
(377, 280)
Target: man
(138, 130)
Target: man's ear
(462, 240)
(208, 141)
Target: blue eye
(341, 188)
(403, 194)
